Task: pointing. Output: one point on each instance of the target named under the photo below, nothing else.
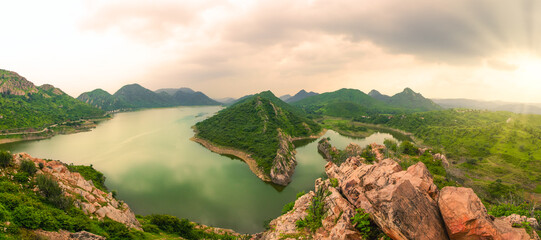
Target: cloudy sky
(480, 49)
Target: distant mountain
(408, 99)
(226, 101)
(140, 97)
(342, 103)
(285, 97)
(531, 108)
(263, 126)
(23, 105)
(172, 91)
(103, 100)
(300, 96)
(135, 96)
(186, 98)
(377, 95)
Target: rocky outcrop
(93, 201)
(12, 83)
(516, 219)
(466, 217)
(336, 223)
(442, 158)
(402, 203)
(324, 148)
(283, 165)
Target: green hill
(135, 96)
(261, 125)
(302, 94)
(23, 105)
(410, 100)
(343, 103)
(184, 98)
(103, 100)
(377, 95)
(140, 97)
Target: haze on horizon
(477, 49)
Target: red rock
(466, 217)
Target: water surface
(148, 158)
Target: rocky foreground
(405, 204)
(93, 201)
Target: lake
(149, 160)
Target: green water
(148, 158)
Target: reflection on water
(148, 158)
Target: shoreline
(245, 157)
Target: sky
(477, 49)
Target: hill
(285, 97)
(103, 100)
(172, 91)
(408, 99)
(377, 95)
(140, 97)
(23, 105)
(134, 96)
(263, 127)
(302, 94)
(343, 103)
(184, 98)
(531, 108)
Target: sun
(528, 68)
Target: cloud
(324, 45)
(500, 65)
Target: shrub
(334, 182)
(316, 211)
(28, 166)
(5, 159)
(52, 191)
(21, 177)
(362, 222)
(390, 144)
(151, 228)
(4, 214)
(28, 217)
(41, 165)
(172, 224)
(408, 148)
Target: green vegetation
(252, 125)
(369, 230)
(50, 210)
(39, 108)
(103, 100)
(346, 103)
(353, 103)
(89, 173)
(5, 159)
(316, 211)
(28, 166)
(157, 225)
(486, 146)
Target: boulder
(466, 217)
(402, 203)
